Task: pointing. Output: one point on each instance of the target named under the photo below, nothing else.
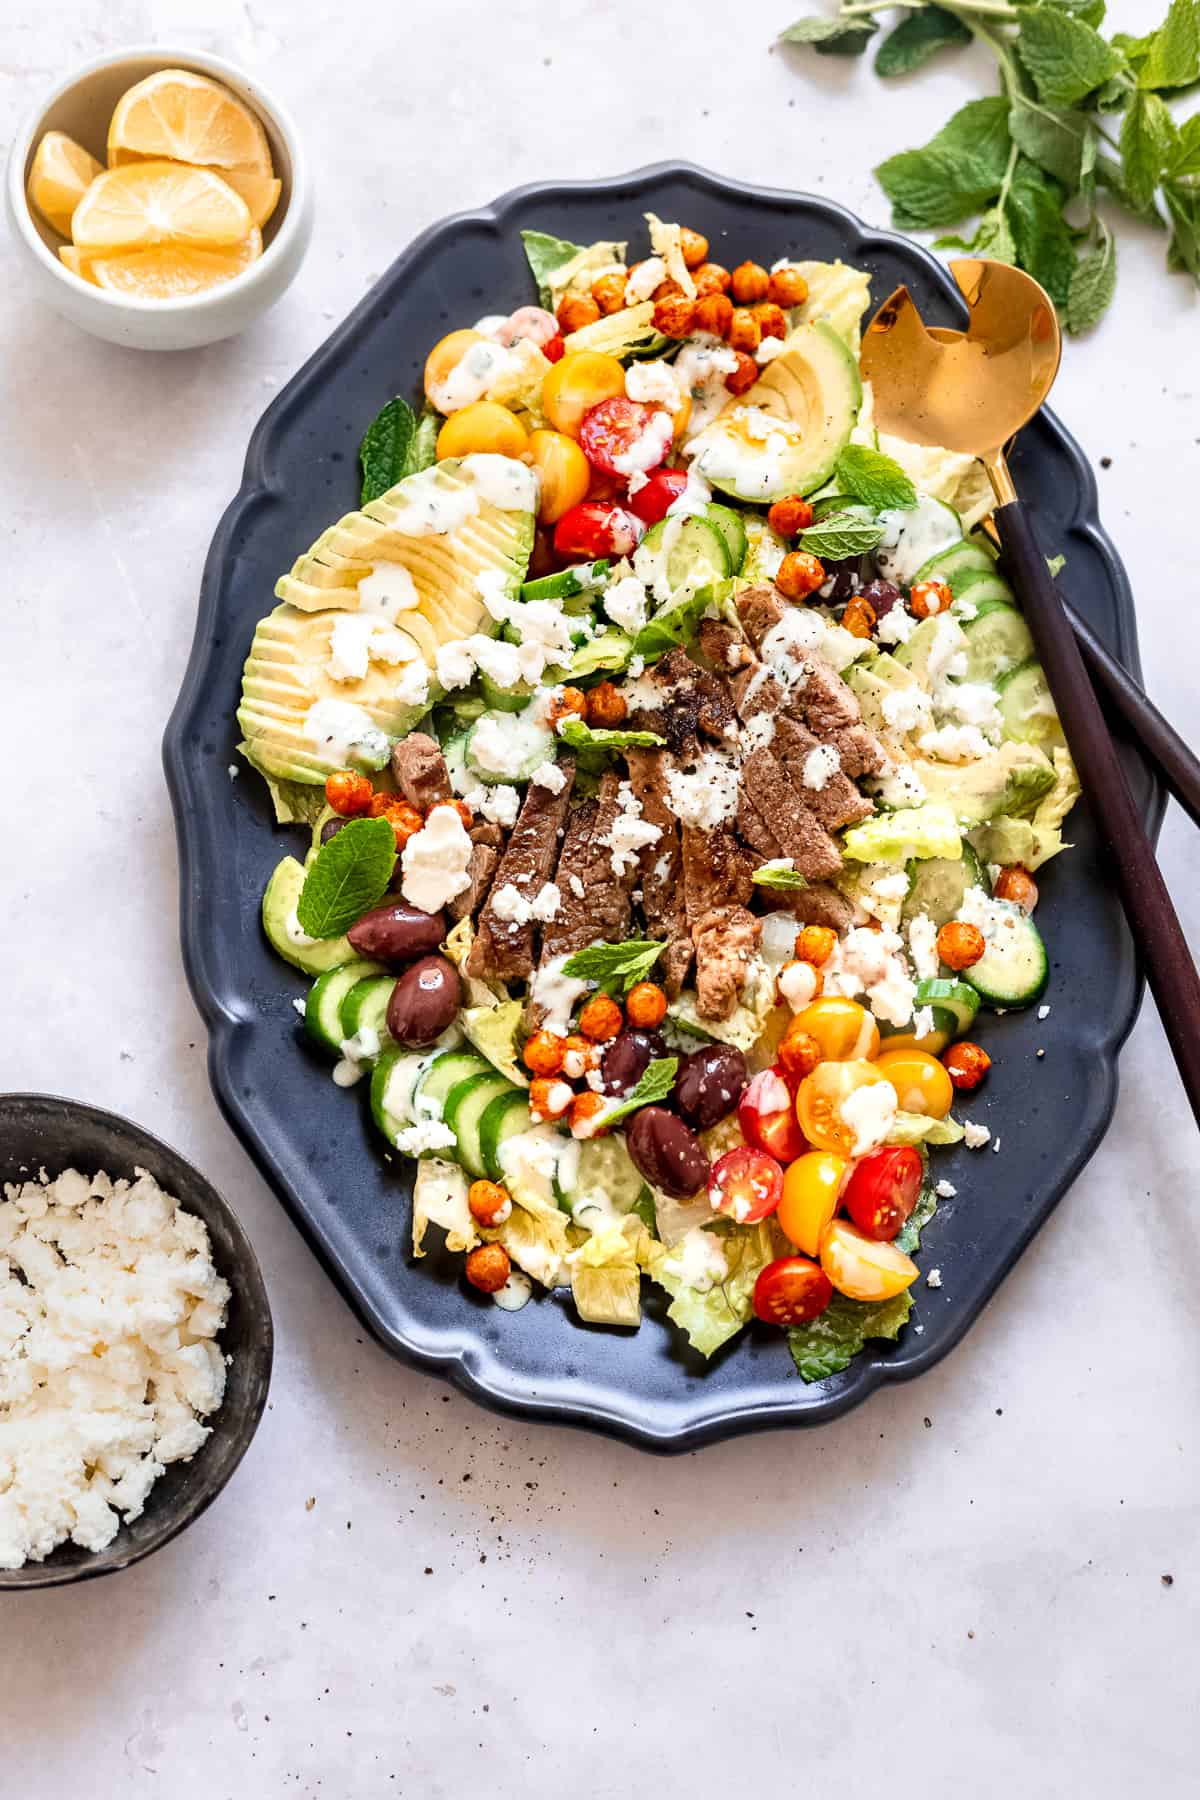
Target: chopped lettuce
(558, 264)
(440, 1198)
(606, 1276)
(295, 802)
(919, 1128)
(535, 1236)
(711, 1317)
(831, 1341)
(666, 240)
(911, 831)
(745, 1024)
(493, 1030)
(458, 947)
(679, 620)
(1012, 779)
(1034, 841)
(628, 334)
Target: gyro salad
(678, 767)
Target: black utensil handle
(1157, 933)
(1161, 742)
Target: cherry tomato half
(811, 1187)
(620, 435)
(745, 1184)
(862, 1268)
(767, 1117)
(664, 487)
(532, 322)
(921, 1083)
(883, 1188)
(595, 528)
(791, 1290)
(820, 1098)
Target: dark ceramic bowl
(39, 1131)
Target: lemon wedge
(61, 174)
(171, 271)
(187, 118)
(75, 261)
(260, 192)
(140, 204)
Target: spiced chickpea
(646, 1005)
(799, 575)
(744, 376)
(714, 313)
(609, 292)
(744, 331)
(574, 311)
(960, 945)
(666, 289)
(749, 282)
(772, 321)
(1017, 885)
(567, 703)
(549, 1097)
(929, 598)
(606, 705)
(966, 1065)
(404, 820)
(348, 793)
(584, 1109)
(787, 286)
(601, 1019)
(858, 617)
(674, 315)
(489, 1203)
(379, 803)
(544, 1053)
(798, 1055)
(694, 246)
(790, 515)
(487, 1268)
(815, 944)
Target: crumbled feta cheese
(455, 665)
(625, 604)
(934, 1278)
(922, 946)
(412, 687)
(514, 907)
(300, 1006)
(769, 349)
(1043, 1012)
(233, 771)
(550, 776)
(653, 383)
(436, 861)
(630, 832)
(896, 626)
(870, 962)
(706, 795)
(576, 886)
(975, 1136)
(425, 1135)
(820, 766)
(500, 803)
(996, 1145)
(954, 743)
(945, 1190)
(922, 1021)
(870, 1112)
(904, 709)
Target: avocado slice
(283, 933)
(784, 435)
(1011, 779)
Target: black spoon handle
(1156, 930)
(1160, 741)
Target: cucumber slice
(695, 552)
(604, 1183)
(364, 1006)
(583, 578)
(464, 1108)
(954, 1004)
(729, 524)
(979, 589)
(953, 565)
(393, 1082)
(323, 1008)
(526, 744)
(505, 699)
(443, 1073)
(936, 885)
(1013, 969)
(506, 1116)
(529, 1177)
(998, 640)
(1027, 706)
(455, 752)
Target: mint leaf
(842, 534)
(613, 967)
(832, 37)
(1066, 57)
(1135, 50)
(1183, 205)
(1173, 58)
(1056, 565)
(394, 445)
(1185, 158)
(1093, 281)
(656, 1083)
(592, 737)
(873, 478)
(956, 173)
(1148, 141)
(777, 875)
(545, 254)
(830, 1342)
(918, 38)
(992, 238)
(1063, 143)
(346, 878)
(1045, 245)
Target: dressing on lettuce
(440, 1198)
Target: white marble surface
(959, 1588)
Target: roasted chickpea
(584, 1108)
(930, 597)
(966, 1065)
(815, 944)
(790, 515)
(799, 574)
(609, 292)
(787, 286)
(693, 245)
(404, 820)
(772, 321)
(666, 289)
(960, 945)
(575, 311)
(674, 315)
(349, 794)
(798, 984)
(487, 1268)
(549, 1097)
(489, 1204)
(578, 1057)
(380, 802)
(601, 1019)
(744, 331)
(461, 808)
(749, 283)
(798, 1055)
(543, 1053)
(606, 705)
(744, 376)
(1017, 885)
(646, 1005)
(711, 278)
(714, 313)
(568, 702)
(858, 617)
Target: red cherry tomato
(767, 1116)
(650, 503)
(554, 348)
(594, 528)
(746, 1184)
(882, 1190)
(616, 429)
(791, 1290)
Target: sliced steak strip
(661, 870)
(606, 894)
(419, 769)
(755, 830)
(819, 904)
(503, 948)
(716, 872)
(834, 804)
(484, 858)
(860, 750)
(810, 846)
(757, 691)
(760, 609)
(571, 928)
(724, 646)
(824, 701)
(726, 940)
(695, 702)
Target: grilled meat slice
(485, 832)
(716, 872)
(860, 751)
(755, 830)
(503, 948)
(606, 894)
(824, 701)
(724, 646)
(760, 609)
(484, 859)
(661, 871)
(420, 773)
(726, 940)
(695, 702)
(837, 801)
(810, 846)
(819, 904)
(757, 691)
(571, 928)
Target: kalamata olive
(709, 1084)
(882, 596)
(845, 576)
(331, 827)
(424, 1002)
(397, 932)
(667, 1152)
(628, 1057)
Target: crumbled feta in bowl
(135, 1342)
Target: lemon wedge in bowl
(61, 174)
(146, 203)
(186, 118)
(171, 271)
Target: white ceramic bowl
(81, 105)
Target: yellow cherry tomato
(811, 1186)
(843, 1028)
(446, 354)
(565, 472)
(820, 1098)
(864, 1268)
(922, 1085)
(484, 426)
(576, 383)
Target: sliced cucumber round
(393, 1082)
(731, 528)
(979, 588)
(506, 1116)
(955, 563)
(526, 744)
(937, 885)
(454, 750)
(464, 1108)
(323, 1008)
(604, 1182)
(695, 552)
(505, 699)
(364, 1006)
(1013, 969)
(954, 1004)
(582, 579)
(442, 1073)
(1027, 709)
(998, 640)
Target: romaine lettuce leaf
(493, 1031)
(831, 1341)
(536, 1240)
(1033, 841)
(919, 1128)
(558, 264)
(911, 831)
(606, 1275)
(712, 1317)
(440, 1198)
(908, 1238)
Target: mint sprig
(613, 967)
(841, 535)
(874, 479)
(348, 875)
(656, 1082)
(395, 444)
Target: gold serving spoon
(972, 391)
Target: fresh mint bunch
(1079, 116)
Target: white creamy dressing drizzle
(911, 536)
(555, 995)
(347, 732)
